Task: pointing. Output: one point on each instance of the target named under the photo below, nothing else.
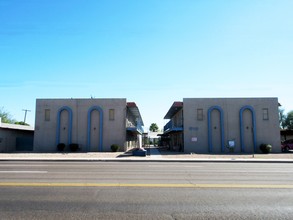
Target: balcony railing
(171, 127)
(132, 127)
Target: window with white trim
(47, 114)
(199, 114)
(111, 114)
(265, 114)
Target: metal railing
(132, 126)
(171, 127)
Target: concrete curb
(232, 160)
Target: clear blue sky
(152, 52)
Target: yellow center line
(145, 185)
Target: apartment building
(220, 125)
(93, 124)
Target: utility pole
(25, 110)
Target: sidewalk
(154, 155)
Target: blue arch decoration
(89, 116)
(64, 108)
(221, 129)
(247, 107)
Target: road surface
(145, 190)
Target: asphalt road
(131, 190)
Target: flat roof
(16, 127)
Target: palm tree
(154, 127)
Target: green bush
(265, 148)
(114, 147)
(73, 147)
(61, 147)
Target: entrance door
(247, 126)
(95, 131)
(64, 127)
(216, 131)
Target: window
(265, 114)
(47, 114)
(199, 114)
(111, 114)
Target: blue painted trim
(89, 116)
(64, 108)
(242, 129)
(135, 129)
(169, 127)
(175, 129)
(221, 129)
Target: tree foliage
(154, 127)
(20, 123)
(286, 120)
(6, 117)
(282, 118)
(289, 120)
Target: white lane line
(21, 165)
(193, 166)
(210, 172)
(160, 166)
(22, 171)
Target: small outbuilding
(15, 137)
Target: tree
(289, 120)
(20, 123)
(282, 118)
(6, 117)
(154, 127)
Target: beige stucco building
(93, 124)
(215, 125)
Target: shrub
(73, 147)
(114, 147)
(61, 147)
(265, 148)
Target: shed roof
(176, 107)
(135, 111)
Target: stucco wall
(196, 132)
(114, 131)
(8, 138)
